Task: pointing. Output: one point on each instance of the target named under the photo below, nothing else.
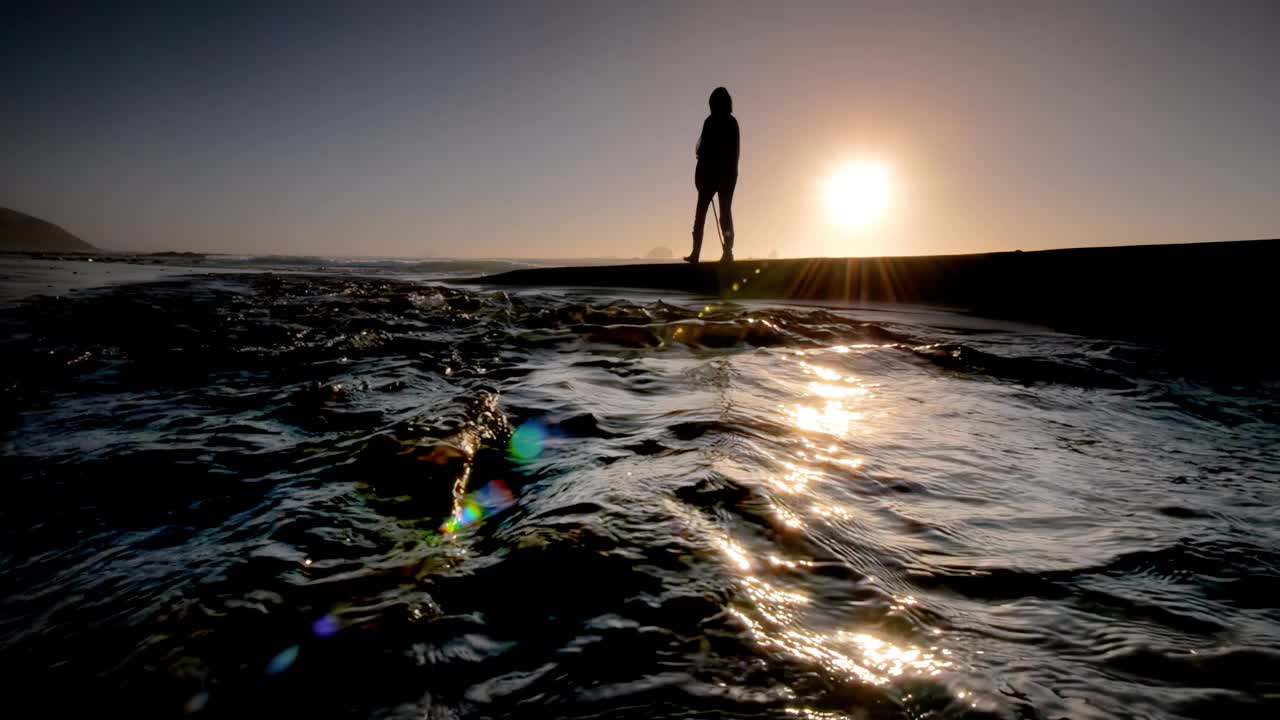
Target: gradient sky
(567, 129)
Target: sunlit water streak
(241, 495)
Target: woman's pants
(724, 188)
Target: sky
(532, 129)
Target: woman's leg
(726, 214)
(699, 220)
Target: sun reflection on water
(735, 553)
(837, 392)
(809, 714)
(777, 611)
(828, 407)
(825, 373)
(787, 516)
(831, 418)
(825, 409)
(796, 479)
(773, 616)
(857, 656)
(779, 561)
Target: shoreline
(1138, 290)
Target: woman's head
(721, 103)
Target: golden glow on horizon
(858, 195)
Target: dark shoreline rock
(1193, 291)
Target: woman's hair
(721, 103)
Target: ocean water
(251, 487)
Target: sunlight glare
(858, 195)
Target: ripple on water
(264, 494)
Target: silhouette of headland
(20, 232)
(1142, 290)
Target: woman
(717, 171)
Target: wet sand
(1143, 290)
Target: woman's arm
(697, 149)
(733, 142)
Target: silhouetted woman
(717, 170)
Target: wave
(396, 494)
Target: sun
(858, 195)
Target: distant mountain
(660, 253)
(20, 232)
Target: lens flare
(282, 661)
(196, 703)
(485, 502)
(325, 626)
(527, 441)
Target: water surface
(367, 494)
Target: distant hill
(660, 253)
(20, 232)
